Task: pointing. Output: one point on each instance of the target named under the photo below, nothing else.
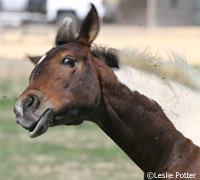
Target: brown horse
(74, 82)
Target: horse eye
(69, 62)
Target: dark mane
(108, 55)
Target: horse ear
(66, 32)
(90, 27)
(34, 59)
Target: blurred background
(28, 27)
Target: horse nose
(28, 104)
(31, 102)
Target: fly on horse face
(141, 102)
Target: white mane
(173, 84)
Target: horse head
(63, 87)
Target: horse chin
(65, 120)
(42, 124)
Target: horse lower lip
(41, 126)
(33, 127)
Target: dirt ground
(15, 44)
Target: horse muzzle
(33, 115)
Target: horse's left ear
(34, 59)
(66, 32)
(90, 27)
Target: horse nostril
(31, 102)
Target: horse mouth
(42, 124)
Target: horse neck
(137, 124)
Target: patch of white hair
(41, 59)
(175, 69)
